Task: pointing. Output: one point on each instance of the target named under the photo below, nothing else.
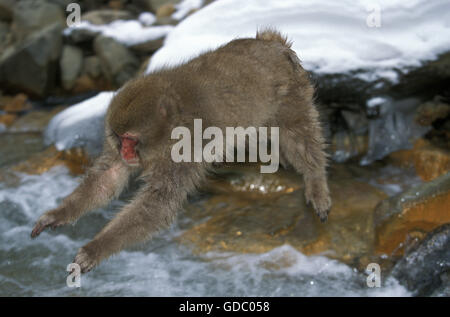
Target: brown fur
(247, 82)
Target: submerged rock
(76, 160)
(257, 212)
(15, 104)
(411, 214)
(425, 268)
(428, 160)
(34, 121)
(19, 146)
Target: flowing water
(161, 267)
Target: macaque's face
(128, 148)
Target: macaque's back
(244, 79)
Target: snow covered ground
(329, 37)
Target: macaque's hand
(87, 257)
(85, 261)
(53, 218)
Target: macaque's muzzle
(128, 149)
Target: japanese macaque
(249, 82)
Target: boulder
(424, 269)
(31, 65)
(81, 35)
(118, 63)
(92, 66)
(4, 35)
(7, 9)
(33, 15)
(154, 5)
(409, 215)
(71, 63)
(165, 10)
(431, 111)
(148, 47)
(106, 16)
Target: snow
(127, 32)
(329, 36)
(184, 7)
(80, 125)
(147, 18)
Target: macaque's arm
(154, 208)
(104, 181)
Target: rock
(444, 289)
(154, 5)
(18, 103)
(106, 16)
(7, 119)
(71, 63)
(85, 83)
(33, 15)
(118, 63)
(31, 65)
(423, 269)
(61, 3)
(34, 121)
(393, 128)
(345, 145)
(428, 160)
(81, 35)
(165, 10)
(7, 9)
(19, 146)
(166, 21)
(4, 36)
(430, 111)
(356, 121)
(410, 214)
(116, 4)
(75, 160)
(257, 212)
(148, 47)
(92, 66)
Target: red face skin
(127, 150)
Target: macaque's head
(136, 122)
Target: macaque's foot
(317, 193)
(52, 219)
(85, 260)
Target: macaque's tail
(269, 34)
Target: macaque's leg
(302, 144)
(154, 208)
(104, 181)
